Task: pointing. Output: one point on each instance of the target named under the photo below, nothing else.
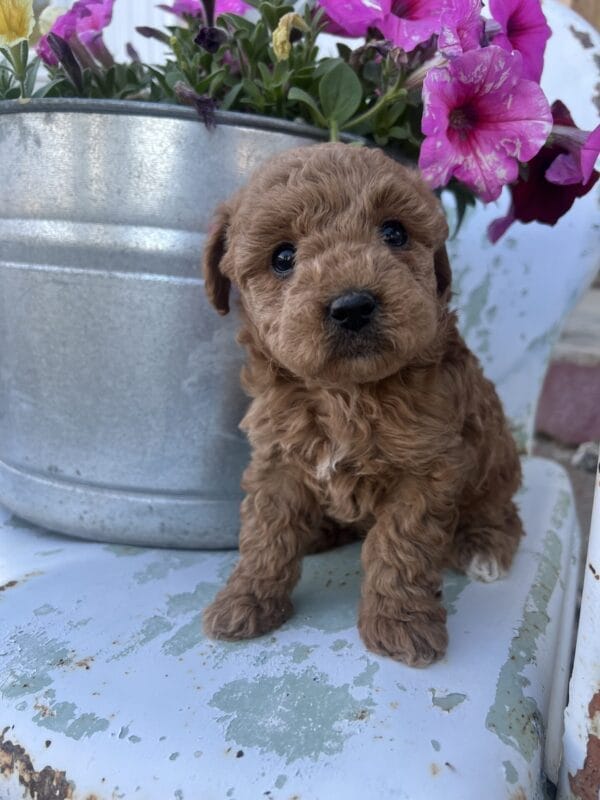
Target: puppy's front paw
(234, 616)
(415, 639)
(485, 568)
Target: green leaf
(230, 97)
(344, 51)
(272, 14)
(300, 96)
(340, 93)
(239, 24)
(253, 93)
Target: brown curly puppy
(370, 417)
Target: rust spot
(518, 794)
(585, 784)
(583, 37)
(85, 662)
(45, 711)
(594, 706)
(434, 769)
(8, 585)
(47, 784)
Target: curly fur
(393, 435)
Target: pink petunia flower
(536, 198)
(462, 26)
(194, 8)
(411, 22)
(480, 118)
(83, 23)
(353, 17)
(406, 23)
(523, 28)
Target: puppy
(370, 416)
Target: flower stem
(392, 94)
(333, 130)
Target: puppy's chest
(345, 461)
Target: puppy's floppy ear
(443, 273)
(216, 284)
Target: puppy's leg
(486, 540)
(279, 519)
(400, 613)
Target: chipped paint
(168, 562)
(42, 611)
(447, 702)
(124, 550)
(296, 652)
(583, 37)
(514, 717)
(151, 629)
(454, 584)
(294, 715)
(327, 597)
(510, 773)
(64, 718)
(338, 645)
(473, 309)
(187, 637)
(280, 781)
(191, 602)
(436, 745)
(38, 785)
(34, 658)
(365, 678)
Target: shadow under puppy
(370, 417)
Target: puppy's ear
(216, 284)
(443, 273)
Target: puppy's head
(338, 253)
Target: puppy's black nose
(352, 310)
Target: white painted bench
(108, 688)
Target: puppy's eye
(393, 233)
(283, 259)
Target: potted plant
(119, 393)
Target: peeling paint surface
(515, 716)
(103, 656)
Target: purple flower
(411, 22)
(462, 26)
(480, 118)
(524, 28)
(353, 17)
(84, 23)
(182, 8)
(194, 8)
(577, 164)
(537, 198)
(406, 23)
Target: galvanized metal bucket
(119, 384)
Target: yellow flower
(16, 21)
(281, 35)
(48, 17)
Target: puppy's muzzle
(352, 311)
